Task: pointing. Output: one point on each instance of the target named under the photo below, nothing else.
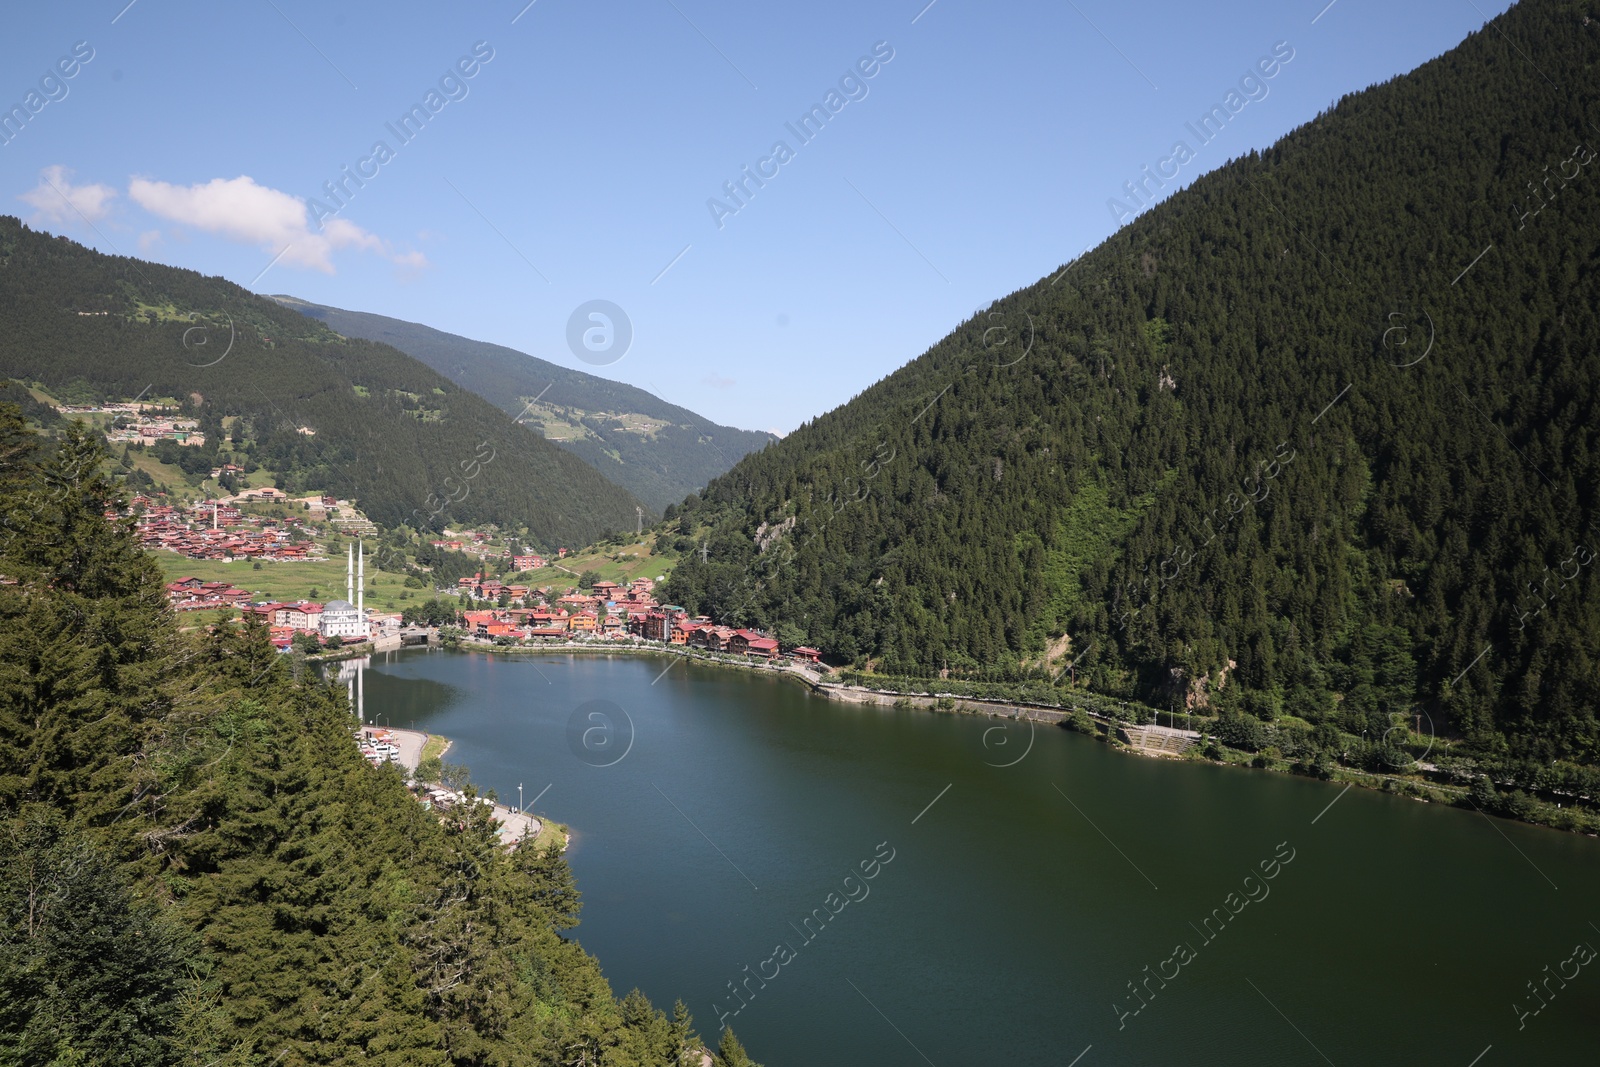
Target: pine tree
(88, 972)
(730, 1053)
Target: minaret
(361, 590)
(349, 573)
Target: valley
(1181, 650)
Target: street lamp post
(519, 799)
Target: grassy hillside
(1315, 437)
(292, 580)
(619, 560)
(355, 418)
(658, 451)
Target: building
(712, 638)
(545, 620)
(658, 624)
(478, 622)
(806, 654)
(303, 616)
(341, 618)
(752, 643)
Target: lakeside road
(515, 827)
(409, 742)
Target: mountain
(1314, 437)
(658, 451)
(351, 417)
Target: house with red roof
(478, 622)
(753, 643)
(713, 638)
(303, 616)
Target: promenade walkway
(515, 827)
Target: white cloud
(240, 210)
(56, 199)
(411, 265)
(717, 381)
(149, 239)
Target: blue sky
(576, 161)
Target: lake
(1034, 896)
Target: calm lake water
(1023, 903)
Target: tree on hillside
(88, 973)
(436, 611)
(731, 1053)
(160, 789)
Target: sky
(562, 153)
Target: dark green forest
(197, 867)
(659, 468)
(406, 443)
(1314, 438)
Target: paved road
(409, 742)
(514, 827)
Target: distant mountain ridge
(324, 412)
(658, 451)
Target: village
(220, 530)
(136, 423)
(610, 613)
(512, 613)
(266, 525)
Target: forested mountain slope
(389, 432)
(198, 868)
(1316, 435)
(656, 450)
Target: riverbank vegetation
(1393, 756)
(196, 866)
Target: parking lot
(381, 745)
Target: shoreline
(1413, 787)
(413, 743)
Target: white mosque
(341, 618)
